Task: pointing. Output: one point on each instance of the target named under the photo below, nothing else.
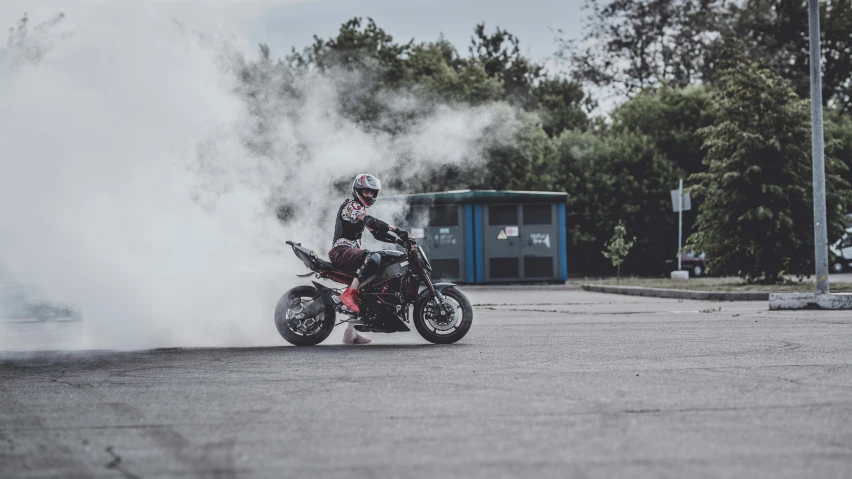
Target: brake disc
(438, 321)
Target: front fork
(443, 307)
(435, 294)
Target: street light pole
(817, 148)
(679, 222)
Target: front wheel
(448, 328)
(295, 321)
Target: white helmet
(366, 182)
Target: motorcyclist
(346, 253)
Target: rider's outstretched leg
(350, 336)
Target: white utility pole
(817, 148)
(679, 221)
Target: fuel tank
(393, 263)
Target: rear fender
(328, 295)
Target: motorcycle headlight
(423, 258)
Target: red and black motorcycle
(442, 314)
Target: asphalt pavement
(550, 382)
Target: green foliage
(617, 247)
(523, 163)
(756, 219)
(775, 33)
(672, 118)
(500, 55)
(696, 108)
(838, 140)
(613, 176)
(562, 105)
(437, 72)
(740, 135)
(369, 51)
(631, 45)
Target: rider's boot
(349, 298)
(350, 336)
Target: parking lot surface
(550, 382)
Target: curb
(678, 293)
(778, 301)
(516, 286)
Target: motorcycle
(306, 315)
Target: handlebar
(404, 238)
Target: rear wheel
(837, 267)
(293, 321)
(444, 328)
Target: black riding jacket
(348, 228)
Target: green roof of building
(482, 196)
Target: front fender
(425, 293)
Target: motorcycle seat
(322, 264)
(311, 260)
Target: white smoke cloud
(127, 187)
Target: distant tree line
(713, 92)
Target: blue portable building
(489, 236)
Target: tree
(838, 140)
(612, 176)
(672, 118)
(437, 72)
(372, 63)
(385, 87)
(376, 69)
(756, 219)
(631, 45)
(525, 162)
(617, 248)
(500, 54)
(366, 49)
(776, 33)
(562, 105)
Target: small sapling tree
(617, 248)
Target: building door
(502, 243)
(539, 241)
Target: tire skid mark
(686, 410)
(178, 446)
(32, 434)
(115, 463)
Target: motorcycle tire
(433, 334)
(287, 326)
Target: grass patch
(715, 284)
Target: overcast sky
(285, 24)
